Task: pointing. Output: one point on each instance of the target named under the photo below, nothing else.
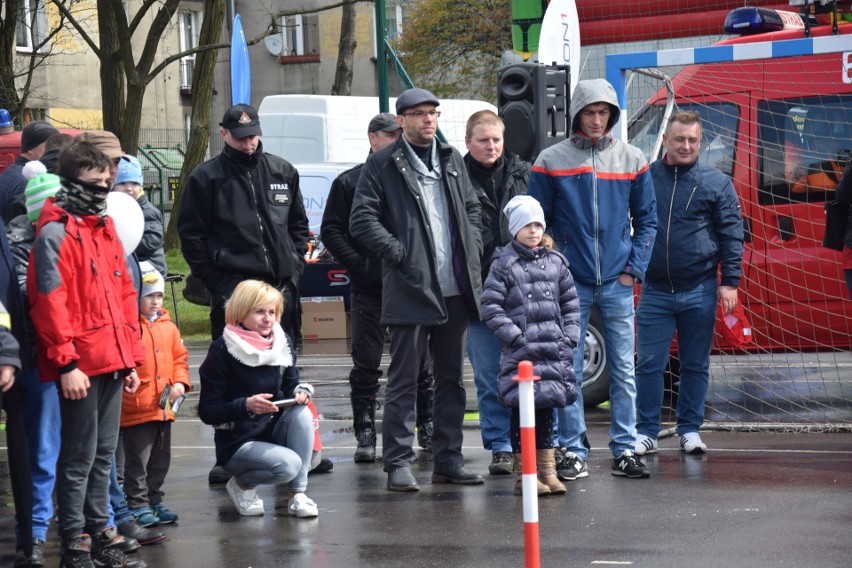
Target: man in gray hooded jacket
(598, 197)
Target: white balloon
(128, 219)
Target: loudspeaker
(533, 100)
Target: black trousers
(407, 345)
(543, 429)
(12, 401)
(368, 344)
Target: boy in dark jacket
(129, 180)
(84, 308)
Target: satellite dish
(274, 44)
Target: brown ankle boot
(519, 484)
(546, 462)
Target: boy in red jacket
(147, 416)
(84, 309)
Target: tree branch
(60, 5)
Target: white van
(326, 128)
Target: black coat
(495, 226)
(226, 384)
(388, 218)
(843, 194)
(365, 269)
(243, 217)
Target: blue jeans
(119, 512)
(483, 351)
(285, 458)
(615, 304)
(692, 313)
(42, 425)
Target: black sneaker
(501, 464)
(107, 552)
(77, 553)
(570, 466)
(626, 465)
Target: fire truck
(782, 130)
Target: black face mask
(82, 198)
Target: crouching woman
(246, 369)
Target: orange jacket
(165, 363)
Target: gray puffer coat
(532, 307)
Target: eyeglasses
(421, 113)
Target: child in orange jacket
(147, 416)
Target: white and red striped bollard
(529, 475)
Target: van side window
(718, 132)
(804, 147)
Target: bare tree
(345, 52)
(12, 97)
(202, 92)
(125, 78)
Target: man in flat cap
(415, 207)
(242, 218)
(12, 181)
(368, 333)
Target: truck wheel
(595, 369)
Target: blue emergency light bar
(749, 21)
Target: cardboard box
(324, 317)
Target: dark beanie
(36, 133)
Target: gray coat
(389, 219)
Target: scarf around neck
(81, 198)
(253, 350)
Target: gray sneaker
(570, 466)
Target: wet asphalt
(754, 499)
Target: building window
(190, 28)
(301, 38)
(30, 31)
(394, 21)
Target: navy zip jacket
(699, 226)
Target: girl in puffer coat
(531, 305)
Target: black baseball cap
(384, 122)
(241, 121)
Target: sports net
(779, 128)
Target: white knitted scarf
(250, 356)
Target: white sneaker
(691, 443)
(644, 445)
(246, 501)
(302, 506)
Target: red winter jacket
(165, 364)
(82, 301)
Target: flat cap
(414, 97)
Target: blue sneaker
(165, 516)
(145, 517)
